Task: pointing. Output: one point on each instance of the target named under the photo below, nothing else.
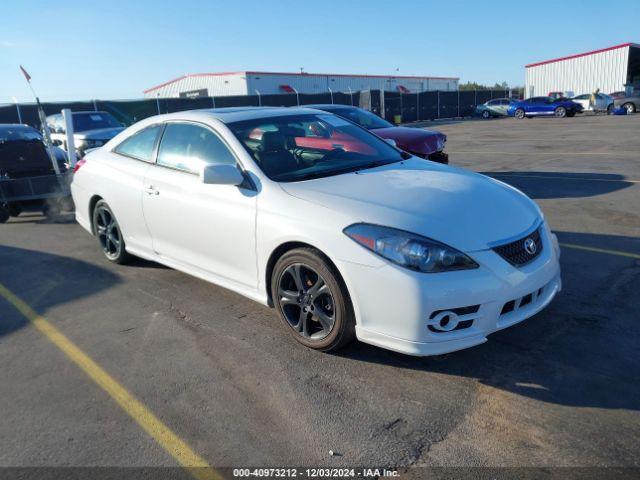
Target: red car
(427, 144)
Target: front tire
(312, 300)
(520, 113)
(486, 114)
(560, 112)
(109, 234)
(629, 107)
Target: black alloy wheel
(312, 300)
(109, 234)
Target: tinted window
(301, 147)
(93, 121)
(493, 103)
(188, 147)
(19, 133)
(363, 118)
(141, 144)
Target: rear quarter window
(140, 145)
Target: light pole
(15, 100)
(259, 98)
(297, 95)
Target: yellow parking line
(560, 177)
(174, 445)
(601, 250)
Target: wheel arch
(285, 247)
(92, 205)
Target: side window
(187, 147)
(140, 145)
(492, 103)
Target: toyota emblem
(530, 246)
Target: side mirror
(391, 142)
(221, 175)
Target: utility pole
(43, 122)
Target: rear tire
(610, 109)
(629, 107)
(520, 114)
(312, 300)
(106, 228)
(560, 112)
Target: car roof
(81, 111)
(330, 106)
(14, 126)
(238, 114)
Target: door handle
(151, 191)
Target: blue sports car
(544, 106)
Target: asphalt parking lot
(221, 372)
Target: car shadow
(544, 185)
(67, 279)
(582, 350)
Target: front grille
(517, 303)
(516, 252)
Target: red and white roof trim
(578, 55)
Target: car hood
(465, 210)
(414, 140)
(99, 134)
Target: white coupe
(344, 234)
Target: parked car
(544, 106)
(90, 130)
(498, 107)
(370, 242)
(618, 94)
(630, 104)
(604, 102)
(27, 174)
(565, 94)
(423, 143)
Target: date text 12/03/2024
(315, 472)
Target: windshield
(301, 147)
(19, 133)
(93, 121)
(363, 118)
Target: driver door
(210, 228)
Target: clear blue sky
(116, 49)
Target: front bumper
(398, 309)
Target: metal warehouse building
(265, 83)
(609, 69)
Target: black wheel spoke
(306, 301)
(296, 272)
(303, 323)
(288, 297)
(325, 320)
(318, 288)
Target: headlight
(440, 142)
(408, 249)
